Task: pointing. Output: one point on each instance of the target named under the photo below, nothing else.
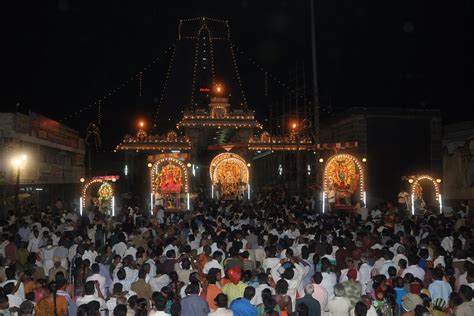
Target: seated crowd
(273, 256)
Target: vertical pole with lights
(80, 205)
(18, 162)
(113, 205)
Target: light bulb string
(118, 88)
(163, 91)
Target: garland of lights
(416, 183)
(326, 183)
(114, 91)
(156, 168)
(155, 119)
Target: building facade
(394, 142)
(54, 159)
(458, 162)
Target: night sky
(63, 55)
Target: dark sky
(63, 55)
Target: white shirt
(33, 245)
(152, 264)
(329, 280)
(257, 299)
(416, 271)
(397, 258)
(89, 298)
(119, 249)
(157, 283)
(213, 264)
(101, 280)
(131, 251)
(220, 311)
(364, 276)
(339, 306)
(269, 263)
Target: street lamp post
(18, 162)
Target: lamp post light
(18, 162)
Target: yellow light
(410, 180)
(364, 159)
(321, 160)
(189, 165)
(113, 179)
(438, 180)
(149, 165)
(294, 125)
(141, 124)
(248, 165)
(82, 180)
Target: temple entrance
(169, 182)
(229, 176)
(344, 180)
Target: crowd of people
(272, 256)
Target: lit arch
(330, 167)
(416, 184)
(159, 164)
(100, 180)
(220, 159)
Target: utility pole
(316, 128)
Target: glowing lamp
(410, 180)
(189, 165)
(149, 165)
(321, 160)
(141, 124)
(293, 125)
(248, 165)
(82, 180)
(438, 180)
(364, 159)
(113, 179)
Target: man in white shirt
(214, 263)
(97, 277)
(89, 288)
(271, 259)
(414, 269)
(292, 276)
(34, 243)
(120, 248)
(263, 284)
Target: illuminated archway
(229, 175)
(417, 191)
(105, 199)
(345, 174)
(169, 179)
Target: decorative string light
(194, 73)
(155, 118)
(118, 88)
(266, 84)
(98, 112)
(211, 50)
(140, 84)
(236, 69)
